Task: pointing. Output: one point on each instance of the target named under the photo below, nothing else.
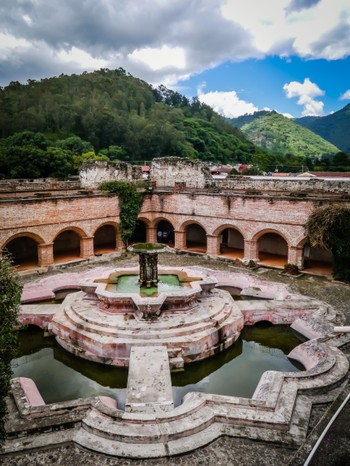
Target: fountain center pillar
(148, 269)
(148, 261)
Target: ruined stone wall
(37, 187)
(169, 171)
(94, 173)
(280, 185)
(44, 218)
(252, 216)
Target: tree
(10, 292)
(329, 227)
(79, 160)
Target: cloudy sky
(238, 56)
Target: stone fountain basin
(176, 301)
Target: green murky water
(61, 376)
(130, 284)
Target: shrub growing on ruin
(328, 227)
(130, 199)
(10, 295)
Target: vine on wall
(130, 199)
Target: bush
(10, 292)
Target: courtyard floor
(334, 450)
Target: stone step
(147, 430)
(152, 330)
(90, 314)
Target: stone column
(119, 242)
(251, 252)
(45, 254)
(87, 247)
(295, 256)
(151, 235)
(213, 245)
(180, 239)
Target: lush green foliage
(10, 293)
(121, 116)
(329, 227)
(334, 128)
(130, 199)
(33, 155)
(277, 134)
(340, 162)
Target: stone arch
(221, 228)
(105, 238)
(272, 248)
(23, 249)
(140, 233)
(195, 237)
(67, 244)
(165, 231)
(260, 233)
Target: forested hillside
(277, 134)
(113, 115)
(335, 127)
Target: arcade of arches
(266, 247)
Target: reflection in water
(237, 371)
(61, 376)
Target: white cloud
(285, 27)
(227, 104)
(158, 58)
(306, 93)
(81, 59)
(345, 96)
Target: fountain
(148, 260)
(166, 329)
(169, 306)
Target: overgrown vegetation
(116, 116)
(10, 295)
(130, 198)
(329, 227)
(279, 135)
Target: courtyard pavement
(226, 451)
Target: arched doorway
(165, 232)
(317, 260)
(196, 238)
(23, 251)
(272, 250)
(105, 239)
(66, 246)
(140, 233)
(231, 244)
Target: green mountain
(121, 117)
(335, 128)
(277, 134)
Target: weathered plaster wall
(94, 173)
(166, 172)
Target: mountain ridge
(334, 127)
(277, 134)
